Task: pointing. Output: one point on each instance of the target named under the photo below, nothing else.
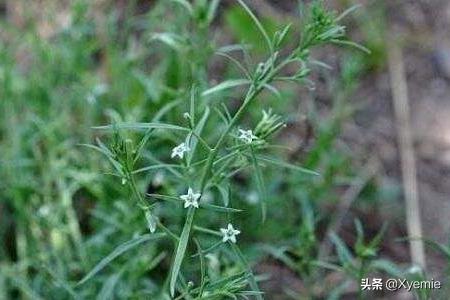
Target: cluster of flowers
(191, 198)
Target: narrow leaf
(258, 24)
(107, 291)
(119, 251)
(181, 249)
(185, 4)
(342, 250)
(347, 12)
(251, 279)
(156, 167)
(351, 44)
(228, 84)
(141, 126)
(198, 131)
(274, 91)
(287, 165)
(170, 39)
(260, 184)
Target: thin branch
(408, 161)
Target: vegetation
(147, 159)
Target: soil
(422, 27)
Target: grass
(90, 193)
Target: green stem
(252, 281)
(361, 275)
(254, 90)
(141, 201)
(206, 230)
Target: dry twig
(408, 162)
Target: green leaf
(185, 4)
(228, 84)
(99, 149)
(172, 40)
(287, 165)
(212, 9)
(251, 279)
(156, 167)
(57, 281)
(243, 28)
(202, 268)
(210, 249)
(119, 251)
(109, 155)
(274, 91)
(141, 126)
(347, 12)
(281, 35)
(107, 291)
(219, 208)
(258, 24)
(436, 246)
(165, 109)
(235, 62)
(224, 190)
(198, 131)
(343, 252)
(181, 249)
(388, 267)
(350, 44)
(260, 184)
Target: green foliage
(91, 180)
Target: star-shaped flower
(180, 150)
(247, 136)
(229, 233)
(190, 199)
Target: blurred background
(66, 66)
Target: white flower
(247, 136)
(229, 233)
(190, 199)
(180, 150)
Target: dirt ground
(422, 27)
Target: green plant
(205, 160)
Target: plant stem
(252, 281)
(141, 200)
(253, 91)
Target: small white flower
(190, 199)
(180, 150)
(247, 136)
(229, 233)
